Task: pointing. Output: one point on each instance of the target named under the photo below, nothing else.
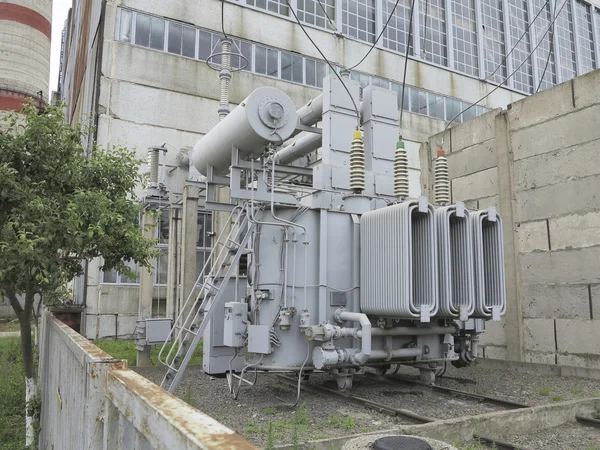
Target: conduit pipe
(299, 148)
(365, 324)
(397, 353)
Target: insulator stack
(441, 183)
(357, 163)
(225, 77)
(401, 171)
(153, 155)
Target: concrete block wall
(539, 163)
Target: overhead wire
(328, 63)
(378, 37)
(331, 22)
(424, 41)
(223, 19)
(499, 85)
(412, 10)
(550, 50)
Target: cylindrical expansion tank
(266, 115)
(24, 51)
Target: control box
(236, 315)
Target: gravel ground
(530, 389)
(569, 436)
(257, 406)
(268, 404)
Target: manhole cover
(401, 443)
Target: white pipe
(397, 353)
(312, 112)
(363, 356)
(299, 148)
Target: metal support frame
(532, 43)
(480, 40)
(557, 58)
(508, 43)
(576, 38)
(449, 34)
(595, 24)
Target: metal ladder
(196, 312)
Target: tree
(60, 204)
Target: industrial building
(138, 70)
(24, 51)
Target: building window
(274, 6)
(150, 31)
(320, 13)
(315, 72)
(358, 19)
(493, 39)
(291, 67)
(544, 54)
(566, 42)
(518, 25)
(465, 37)
(204, 45)
(436, 106)
(395, 35)
(433, 31)
(246, 49)
(182, 40)
(125, 30)
(585, 32)
(266, 61)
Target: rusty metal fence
(93, 401)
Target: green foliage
(270, 411)
(126, 350)
(337, 421)
(270, 442)
(61, 204)
(251, 428)
(12, 395)
(545, 391)
(576, 390)
(593, 447)
(557, 398)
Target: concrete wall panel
(549, 136)
(496, 352)
(566, 266)
(539, 335)
(541, 107)
(540, 358)
(585, 90)
(475, 131)
(558, 199)
(555, 301)
(576, 230)
(495, 334)
(472, 159)
(578, 336)
(474, 186)
(590, 361)
(532, 236)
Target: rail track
(412, 417)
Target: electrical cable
(514, 47)
(498, 86)
(550, 52)
(328, 63)
(378, 37)
(412, 10)
(223, 19)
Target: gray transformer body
(331, 277)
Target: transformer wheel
(427, 376)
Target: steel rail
(454, 392)
(499, 444)
(588, 421)
(357, 401)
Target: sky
(59, 15)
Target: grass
(593, 447)
(337, 421)
(596, 412)
(475, 446)
(557, 398)
(544, 391)
(12, 395)
(270, 411)
(576, 390)
(126, 350)
(9, 326)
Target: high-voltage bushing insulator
(357, 163)
(225, 77)
(441, 183)
(153, 163)
(401, 171)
